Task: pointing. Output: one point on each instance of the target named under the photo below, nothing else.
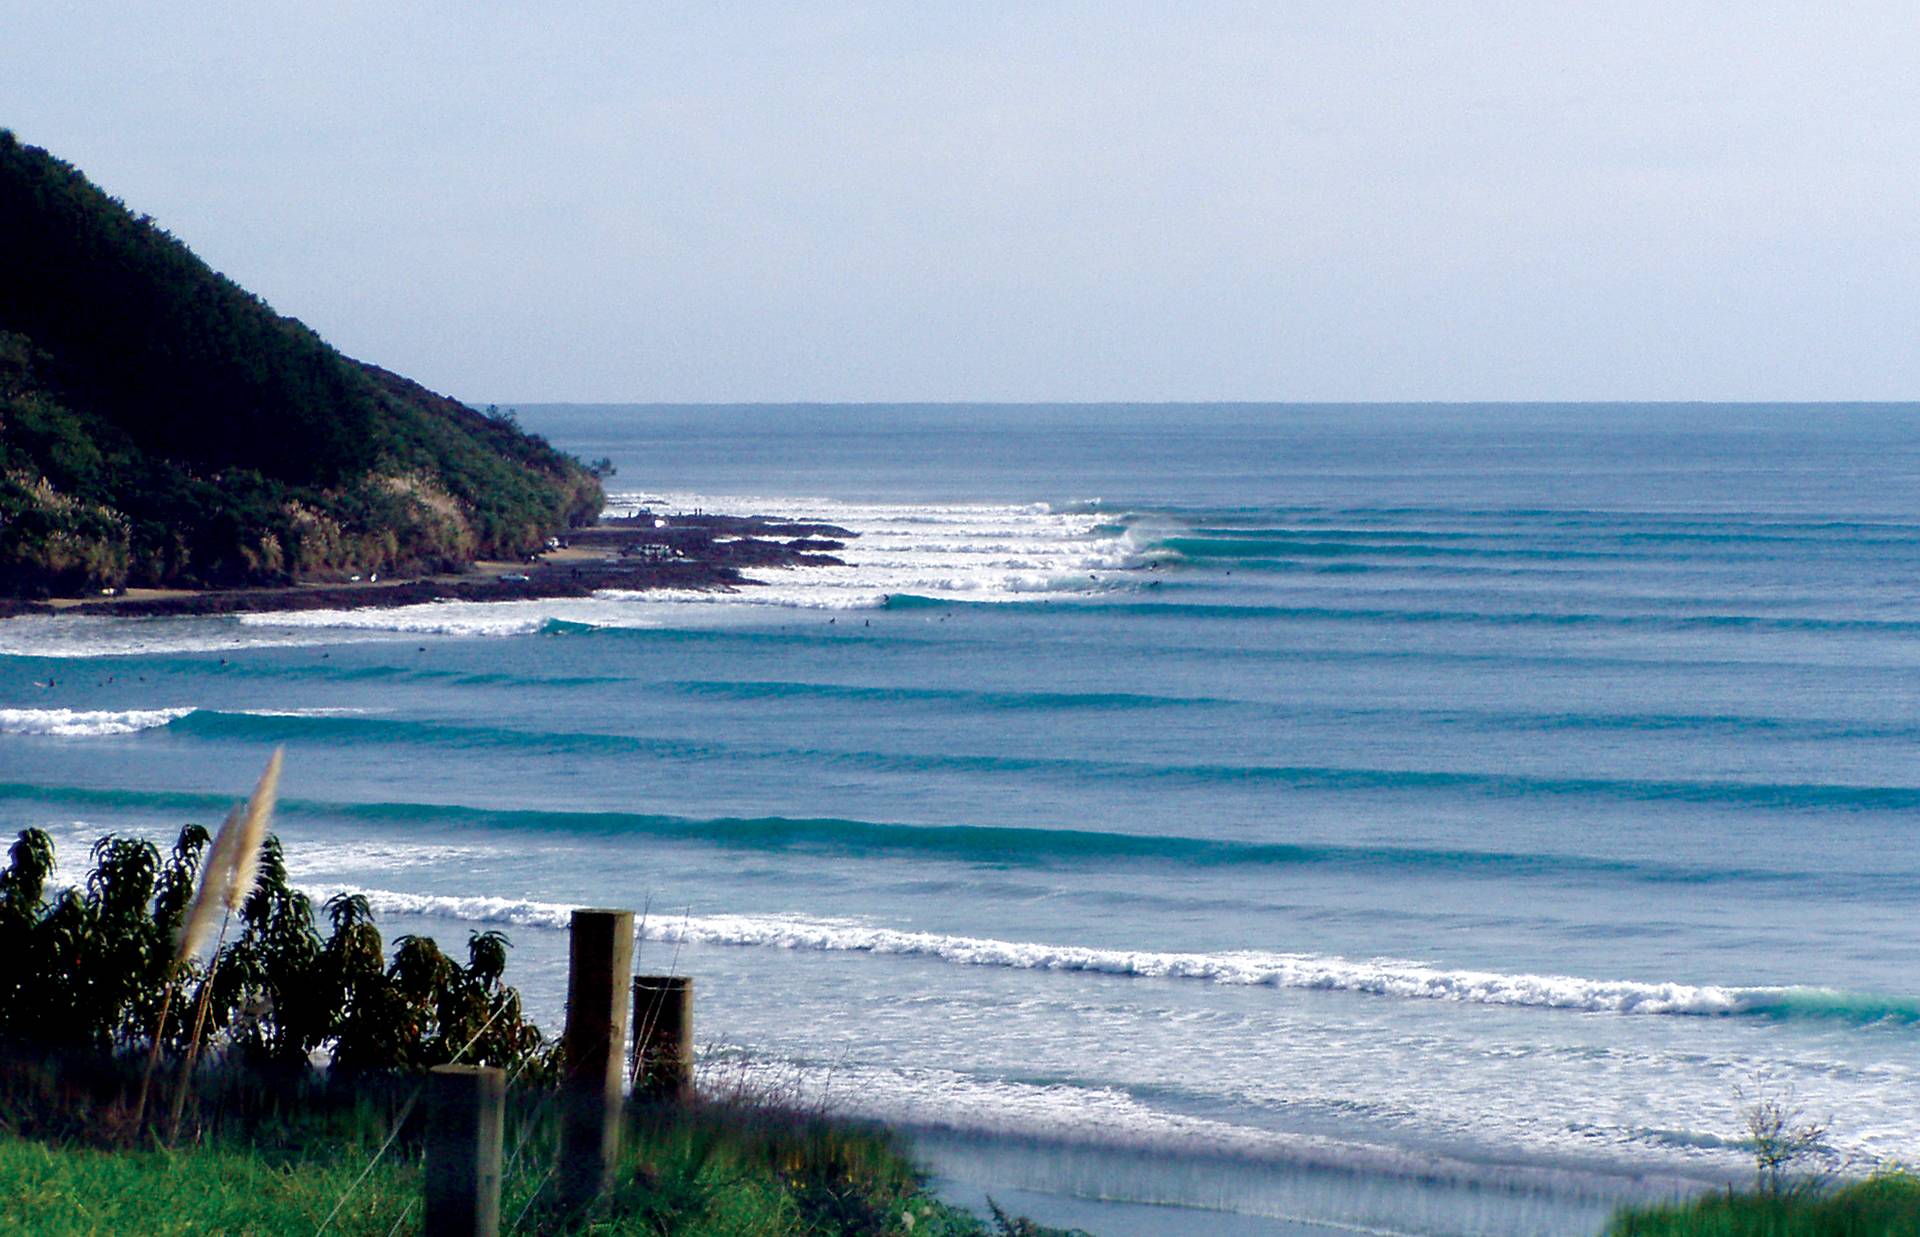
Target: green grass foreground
(1887, 1205)
(51, 1189)
(259, 1153)
(700, 1176)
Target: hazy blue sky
(777, 201)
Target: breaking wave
(958, 552)
(1383, 977)
(96, 723)
(85, 723)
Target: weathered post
(464, 1118)
(595, 1045)
(663, 1038)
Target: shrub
(94, 962)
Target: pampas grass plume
(253, 833)
(212, 893)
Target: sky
(711, 202)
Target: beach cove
(1278, 818)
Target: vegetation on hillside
(159, 425)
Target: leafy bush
(91, 969)
(93, 963)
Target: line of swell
(1802, 728)
(1553, 517)
(1505, 618)
(346, 730)
(1268, 649)
(780, 689)
(999, 845)
(1233, 548)
(339, 724)
(1821, 536)
(1384, 977)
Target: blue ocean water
(1419, 819)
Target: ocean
(1190, 819)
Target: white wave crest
(79, 636)
(85, 723)
(951, 552)
(961, 552)
(96, 723)
(434, 618)
(1388, 977)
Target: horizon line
(1199, 403)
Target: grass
(67, 1191)
(698, 1179)
(260, 1157)
(1886, 1205)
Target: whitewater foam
(946, 1100)
(85, 723)
(67, 636)
(953, 552)
(433, 618)
(1387, 977)
(949, 552)
(97, 723)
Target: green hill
(160, 425)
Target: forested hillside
(159, 425)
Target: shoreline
(640, 552)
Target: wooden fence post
(596, 1048)
(464, 1118)
(663, 1038)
